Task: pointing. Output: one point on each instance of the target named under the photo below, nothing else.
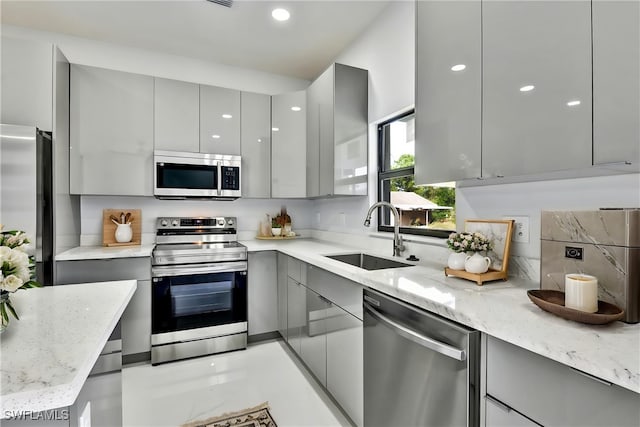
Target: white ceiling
(244, 35)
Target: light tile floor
(175, 393)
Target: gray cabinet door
(325, 85)
(532, 82)
(345, 361)
(349, 161)
(111, 132)
(500, 415)
(448, 98)
(136, 321)
(296, 313)
(553, 394)
(262, 289)
(313, 139)
(176, 114)
(616, 81)
(288, 145)
(282, 295)
(219, 120)
(256, 144)
(313, 338)
(27, 83)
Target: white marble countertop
(500, 309)
(105, 252)
(46, 356)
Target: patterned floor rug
(258, 416)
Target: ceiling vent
(226, 3)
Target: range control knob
(175, 223)
(230, 223)
(221, 222)
(164, 223)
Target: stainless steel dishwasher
(419, 368)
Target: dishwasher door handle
(410, 334)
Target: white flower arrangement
(469, 242)
(17, 270)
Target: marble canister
(581, 292)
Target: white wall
(249, 213)
(141, 61)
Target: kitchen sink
(368, 262)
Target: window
(425, 210)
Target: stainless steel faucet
(398, 247)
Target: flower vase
(456, 260)
(477, 263)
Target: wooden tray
(553, 302)
(479, 278)
(109, 228)
(277, 237)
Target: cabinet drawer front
(554, 394)
(340, 291)
(69, 272)
(499, 415)
(294, 269)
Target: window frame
(385, 173)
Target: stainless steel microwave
(183, 175)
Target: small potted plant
(276, 228)
(462, 245)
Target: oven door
(199, 296)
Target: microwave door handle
(219, 167)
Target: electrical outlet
(520, 229)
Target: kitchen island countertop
(501, 309)
(46, 356)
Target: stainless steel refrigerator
(26, 191)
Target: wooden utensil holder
(109, 228)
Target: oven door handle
(187, 270)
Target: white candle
(581, 292)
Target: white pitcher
(456, 260)
(124, 233)
(477, 263)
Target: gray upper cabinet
(27, 83)
(616, 81)
(536, 87)
(256, 144)
(448, 91)
(111, 132)
(176, 115)
(288, 145)
(337, 120)
(219, 120)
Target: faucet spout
(398, 246)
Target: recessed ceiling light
(295, 108)
(226, 116)
(573, 103)
(458, 67)
(275, 129)
(259, 139)
(527, 88)
(215, 136)
(280, 14)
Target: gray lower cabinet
(262, 293)
(550, 393)
(500, 415)
(313, 338)
(282, 294)
(111, 132)
(296, 313)
(255, 145)
(345, 361)
(136, 319)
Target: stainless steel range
(199, 295)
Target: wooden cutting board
(109, 228)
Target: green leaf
(3, 313)
(31, 284)
(12, 310)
